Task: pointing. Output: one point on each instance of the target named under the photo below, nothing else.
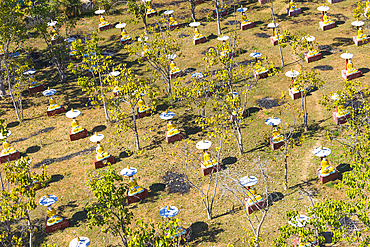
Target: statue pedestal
(325, 27)
(328, 178)
(350, 76)
(256, 206)
(143, 114)
(210, 169)
(102, 163)
(200, 41)
(220, 14)
(173, 27)
(263, 1)
(56, 111)
(314, 243)
(274, 41)
(79, 135)
(342, 119)
(312, 58)
(276, 145)
(361, 41)
(334, 1)
(34, 186)
(137, 197)
(36, 89)
(174, 138)
(261, 75)
(9, 157)
(126, 42)
(197, 2)
(247, 26)
(175, 75)
(106, 27)
(294, 12)
(58, 226)
(151, 14)
(294, 95)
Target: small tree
(153, 234)
(17, 201)
(231, 183)
(138, 9)
(97, 66)
(130, 90)
(160, 46)
(109, 211)
(308, 81)
(206, 187)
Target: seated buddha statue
(197, 34)
(341, 111)
(276, 135)
(253, 196)
(207, 161)
(101, 154)
(277, 34)
(350, 69)
(33, 82)
(7, 149)
(173, 22)
(360, 34)
(326, 169)
(52, 217)
(296, 87)
(76, 127)
(245, 19)
(124, 34)
(53, 105)
(173, 68)
(172, 129)
(1, 50)
(259, 68)
(240, 111)
(54, 34)
(142, 106)
(292, 6)
(73, 48)
(149, 9)
(224, 50)
(311, 50)
(134, 188)
(103, 22)
(326, 19)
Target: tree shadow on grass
(176, 183)
(70, 204)
(342, 168)
(202, 232)
(156, 188)
(339, 41)
(275, 197)
(78, 218)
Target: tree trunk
(286, 166)
(2, 88)
(102, 96)
(218, 18)
(273, 19)
(54, 59)
(192, 10)
(135, 128)
(11, 91)
(304, 112)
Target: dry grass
(158, 157)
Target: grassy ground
(158, 157)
